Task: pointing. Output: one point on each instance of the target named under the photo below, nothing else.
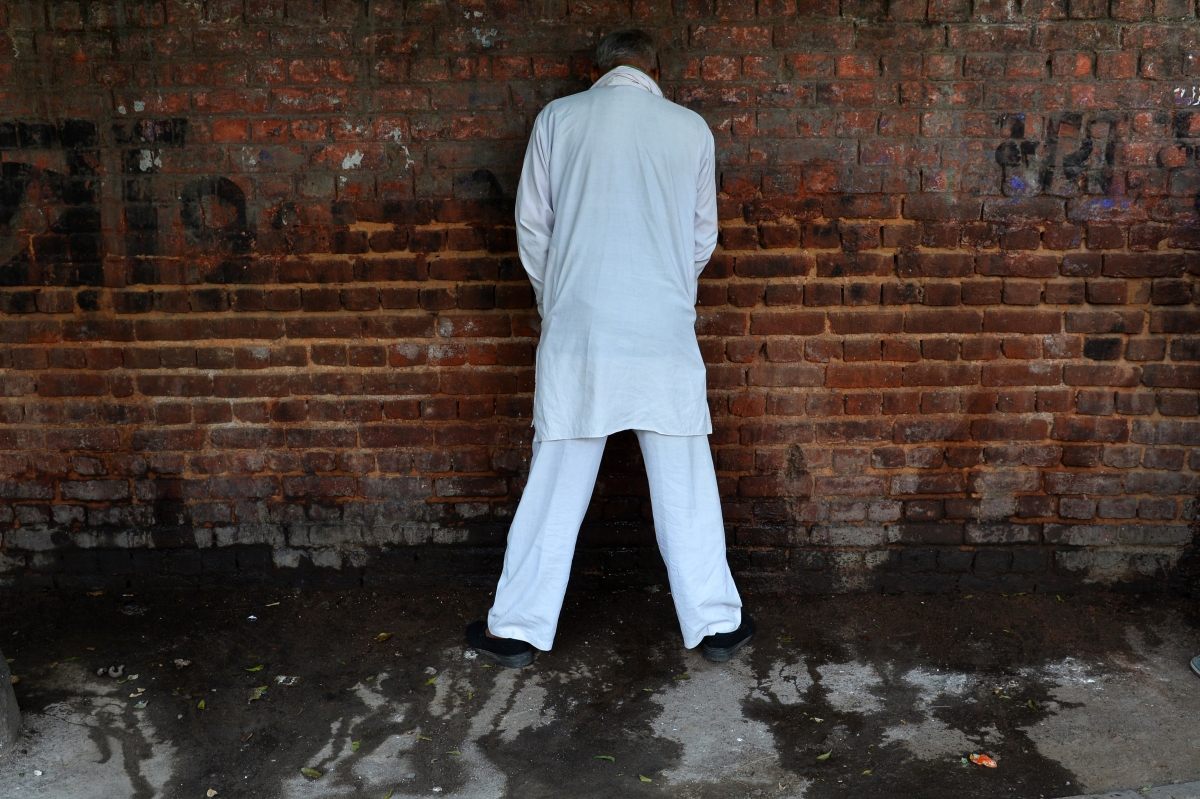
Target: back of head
(626, 46)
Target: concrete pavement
(852, 696)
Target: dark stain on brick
(213, 211)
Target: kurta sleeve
(535, 209)
(706, 204)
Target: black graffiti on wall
(1079, 153)
(144, 141)
(50, 221)
(51, 227)
(214, 215)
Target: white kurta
(616, 217)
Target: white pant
(687, 523)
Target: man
(616, 217)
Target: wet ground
(374, 695)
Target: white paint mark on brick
(286, 558)
(353, 161)
(148, 159)
(1187, 95)
(138, 106)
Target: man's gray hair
(624, 46)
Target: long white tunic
(616, 218)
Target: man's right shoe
(720, 647)
(509, 652)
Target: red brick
(847, 376)
(1010, 321)
(936, 374)
(1024, 347)
(943, 321)
(1143, 265)
(1074, 428)
(847, 322)
(1104, 321)
(1009, 429)
(982, 292)
(1017, 265)
(1175, 321)
(980, 349)
(1083, 375)
(796, 323)
(1021, 374)
(785, 375)
(1171, 375)
(773, 266)
(945, 265)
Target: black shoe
(720, 647)
(505, 651)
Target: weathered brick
(1003, 533)
(1083, 483)
(942, 533)
(293, 316)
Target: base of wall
(927, 570)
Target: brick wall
(261, 312)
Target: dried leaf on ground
(983, 760)
(311, 773)
(382, 637)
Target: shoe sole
(1196, 665)
(511, 661)
(723, 654)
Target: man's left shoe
(509, 652)
(1196, 665)
(720, 647)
